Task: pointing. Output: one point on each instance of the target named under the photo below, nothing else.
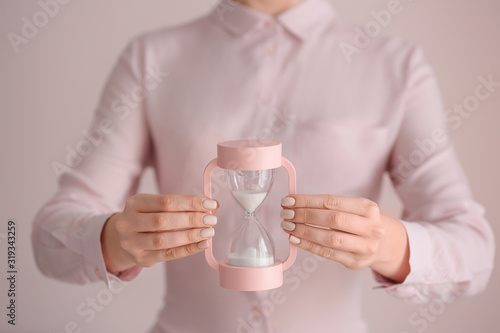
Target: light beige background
(49, 90)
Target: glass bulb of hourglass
(250, 245)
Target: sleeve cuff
(95, 267)
(420, 265)
(421, 257)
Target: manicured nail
(294, 240)
(288, 225)
(210, 204)
(203, 245)
(287, 214)
(206, 233)
(288, 202)
(210, 220)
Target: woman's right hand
(154, 228)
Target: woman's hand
(348, 230)
(154, 228)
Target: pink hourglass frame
(250, 154)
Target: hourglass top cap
(249, 154)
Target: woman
(271, 69)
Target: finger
(330, 238)
(332, 219)
(171, 203)
(149, 222)
(182, 251)
(348, 259)
(171, 239)
(149, 258)
(352, 205)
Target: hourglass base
(251, 278)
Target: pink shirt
(238, 74)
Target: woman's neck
(273, 7)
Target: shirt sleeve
(451, 243)
(99, 173)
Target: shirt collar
(301, 20)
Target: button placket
(268, 59)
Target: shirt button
(270, 48)
(256, 319)
(269, 24)
(265, 99)
(257, 313)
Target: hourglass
(250, 244)
(249, 166)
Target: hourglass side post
(292, 189)
(207, 190)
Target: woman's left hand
(349, 230)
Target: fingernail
(288, 225)
(203, 245)
(210, 204)
(206, 233)
(287, 214)
(210, 220)
(288, 201)
(294, 240)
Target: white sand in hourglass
(251, 257)
(250, 200)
